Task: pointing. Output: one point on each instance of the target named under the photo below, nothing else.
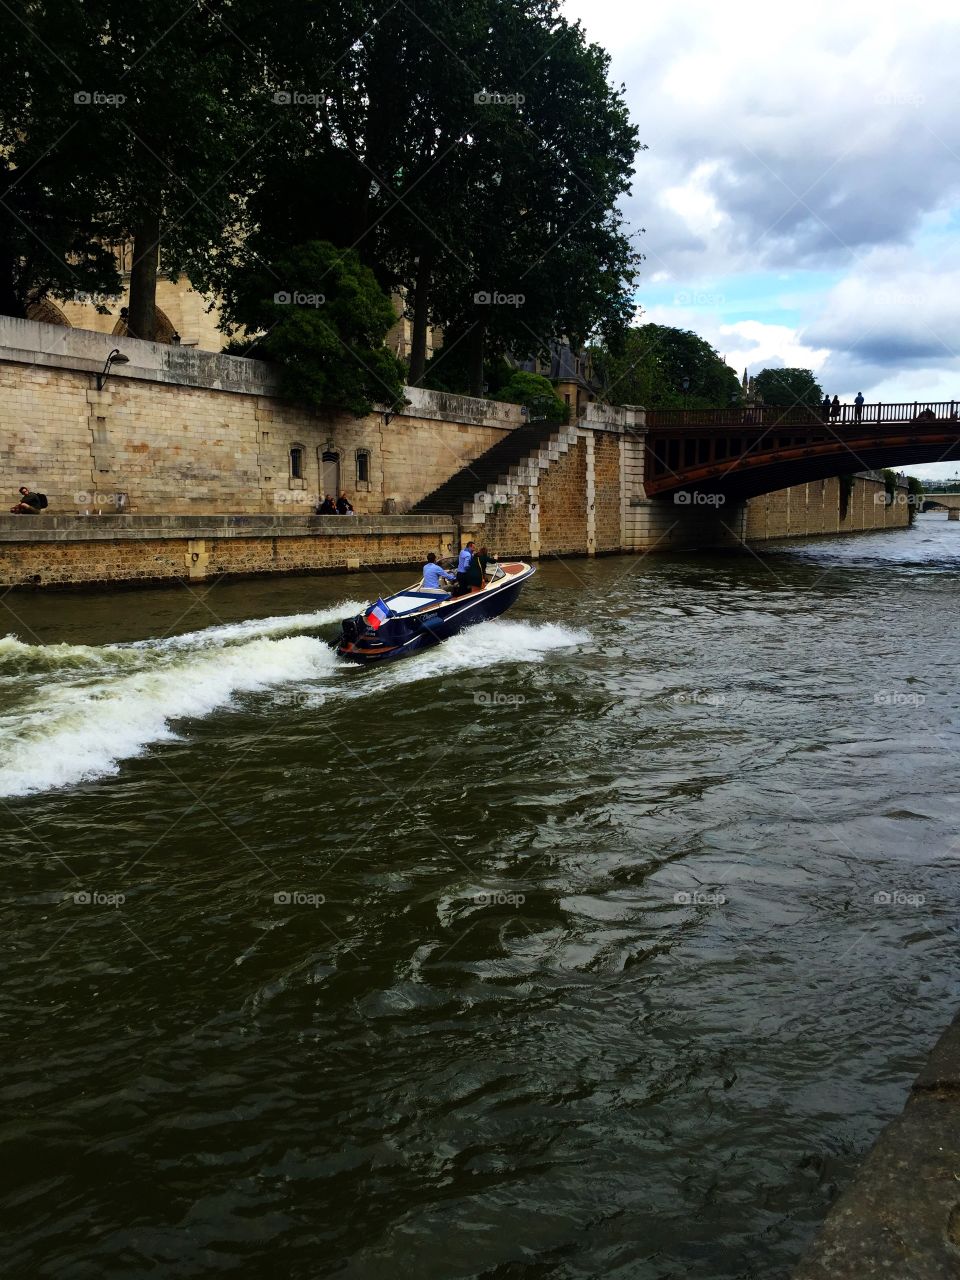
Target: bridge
(744, 452)
(949, 502)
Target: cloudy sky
(801, 191)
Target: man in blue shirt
(463, 565)
(432, 574)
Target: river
(598, 942)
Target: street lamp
(115, 357)
(685, 387)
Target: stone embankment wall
(151, 550)
(178, 431)
(900, 1218)
(808, 509)
(192, 459)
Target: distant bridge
(940, 502)
(744, 452)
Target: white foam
(80, 732)
(479, 647)
(251, 628)
(94, 711)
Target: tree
(788, 388)
(325, 327)
(537, 393)
(118, 124)
(655, 361)
(52, 220)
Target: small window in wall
(363, 466)
(296, 462)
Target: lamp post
(115, 357)
(685, 388)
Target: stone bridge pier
(684, 519)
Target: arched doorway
(330, 473)
(163, 329)
(47, 312)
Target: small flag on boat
(378, 614)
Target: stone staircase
(496, 476)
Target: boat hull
(401, 637)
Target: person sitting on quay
(344, 506)
(327, 507)
(30, 504)
(432, 575)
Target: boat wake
(74, 713)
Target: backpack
(42, 499)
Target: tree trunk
(421, 301)
(475, 363)
(142, 312)
(10, 302)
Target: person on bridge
(858, 406)
(825, 408)
(835, 408)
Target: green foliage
(655, 360)
(537, 393)
(789, 387)
(448, 369)
(323, 318)
(889, 483)
(914, 495)
(846, 489)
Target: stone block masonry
(61, 551)
(201, 469)
(180, 431)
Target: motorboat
(416, 619)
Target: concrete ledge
(132, 528)
(901, 1216)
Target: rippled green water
(576, 969)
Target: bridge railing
(770, 415)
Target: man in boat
(432, 575)
(467, 557)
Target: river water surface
(598, 942)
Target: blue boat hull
(401, 637)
